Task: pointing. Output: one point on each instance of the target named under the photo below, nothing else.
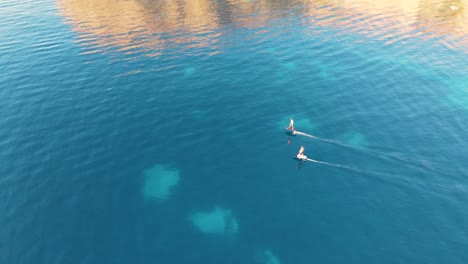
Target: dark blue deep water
(152, 131)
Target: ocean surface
(152, 131)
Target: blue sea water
(153, 131)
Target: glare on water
(156, 25)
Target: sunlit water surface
(152, 131)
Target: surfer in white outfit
(291, 124)
(301, 155)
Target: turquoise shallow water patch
(265, 256)
(289, 66)
(458, 99)
(219, 221)
(355, 139)
(458, 94)
(159, 181)
(189, 71)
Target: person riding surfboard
(301, 155)
(291, 124)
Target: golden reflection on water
(155, 25)
(397, 20)
(136, 24)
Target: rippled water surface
(152, 131)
